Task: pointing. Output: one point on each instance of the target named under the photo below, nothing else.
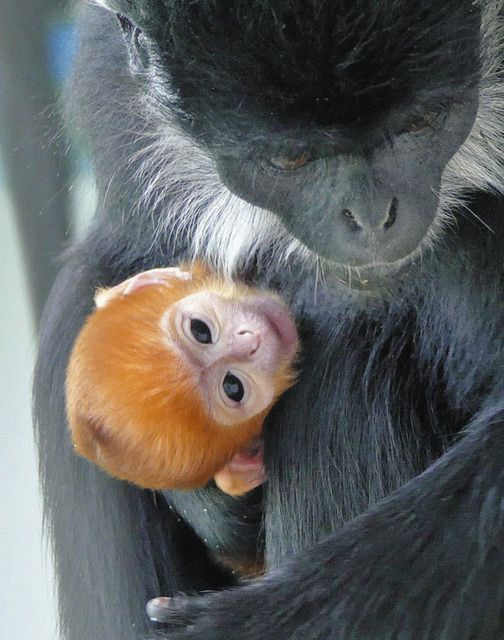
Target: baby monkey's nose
(245, 343)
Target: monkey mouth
(253, 454)
(250, 463)
(244, 472)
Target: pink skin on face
(250, 338)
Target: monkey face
(346, 139)
(364, 200)
(239, 349)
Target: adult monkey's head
(338, 116)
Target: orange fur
(133, 405)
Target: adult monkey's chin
(375, 278)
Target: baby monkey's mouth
(252, 454)
(244, 472)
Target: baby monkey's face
(239, 346)
(171, 378)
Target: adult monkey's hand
(423, 554)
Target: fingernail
(154, 606)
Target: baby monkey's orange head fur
(173, 374)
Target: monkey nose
(245, 343)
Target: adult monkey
(281, 139)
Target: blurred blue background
(46, 199)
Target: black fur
(399, 368)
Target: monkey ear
(144, 279)
(136, 43)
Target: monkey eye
(420, 122)
(290, 164)
(201, 331)
(233, 387)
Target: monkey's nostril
(392, 214)
(350, 219)
(247, 343)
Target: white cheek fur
(479, 163)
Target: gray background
(27, 605)
(26, 580)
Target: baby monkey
(172, 376)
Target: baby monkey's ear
(144, 279)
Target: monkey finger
(155, 276)
(158, 609)
(178, 611)
(143, 279)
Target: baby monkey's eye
(201, 331)
(233, 388)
